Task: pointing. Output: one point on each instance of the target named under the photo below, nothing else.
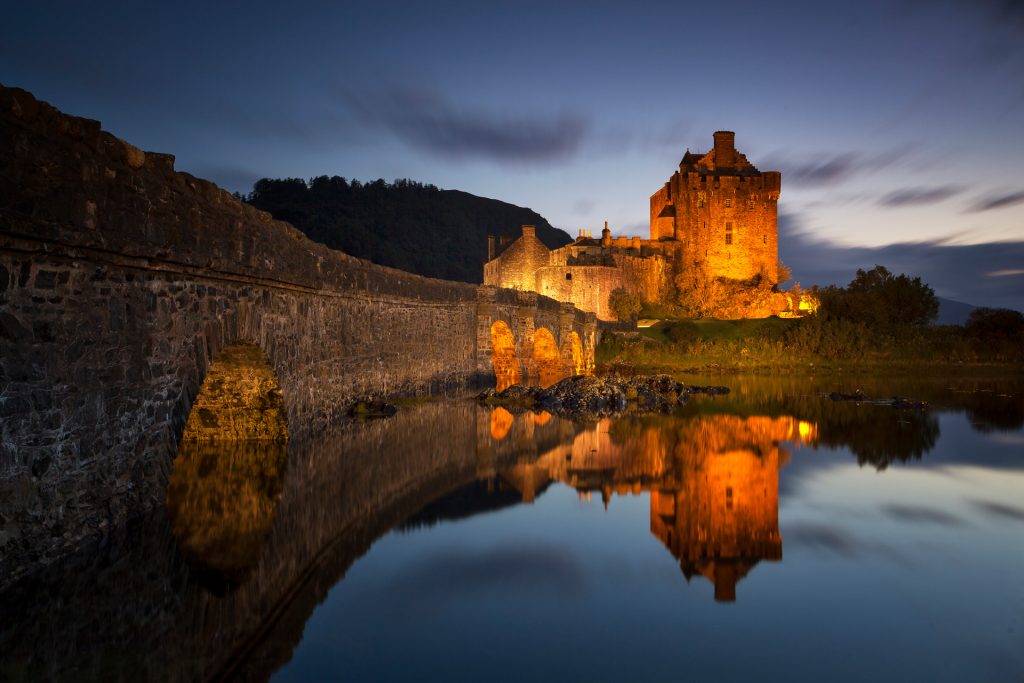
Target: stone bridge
(126, 287)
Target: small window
(702, 199)
(728, 203)
(750, 203)
(728, 233)
(728, 498)
(568, 276)
(764, 238)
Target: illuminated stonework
(227, 475)
(503, 356)
(717, 215)
(239, 400)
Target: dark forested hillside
(405, 224)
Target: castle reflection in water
(713, 482)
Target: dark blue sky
(896, 125)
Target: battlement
(721, 211)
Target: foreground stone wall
(122, 280)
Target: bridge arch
(228, 473)
(240, 399)
(572, 351)
(547, 357)
(504, 358)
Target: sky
(897, 126)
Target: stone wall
(121, 281)
(706, 206)
(517, 263)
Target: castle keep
(716, 216)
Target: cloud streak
(998, 201)
(917, 196)
(833, 169)
(428, 121)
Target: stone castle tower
(720, 213)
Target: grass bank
(788, 346)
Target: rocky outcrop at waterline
(895, 401)
(584, 396)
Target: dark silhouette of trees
(404, 224)
(878, 298)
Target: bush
(682, 331)
(830, 339)
(623, 304)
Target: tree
(623, 305)
(785, 273)
(876, 297)
(698, 295)
(994, 322)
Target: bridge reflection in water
(277, 532)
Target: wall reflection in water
(221, 501)
(134, 610)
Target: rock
(369, 409)
(589, 397)
(855, 396)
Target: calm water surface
(768, 534)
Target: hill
(953, 312)
(405, 224)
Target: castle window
(568, 276)
(728, 233)
(728, 203)
(701, 200)
(728, 498)
(764, 238)
(750, 203)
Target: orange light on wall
(501, 423)
(503, 356)
(549, 360)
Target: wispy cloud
(1000, 510)
(832, 169)
(916, 196)
(998, 201)
(429, 121)
(1006, 272)
(921, 514)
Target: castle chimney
(725, 148)
(490, 247)
(606, 236)
(529, 231)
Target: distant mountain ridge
(953, 312)
(409, 225)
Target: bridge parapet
(121, 282)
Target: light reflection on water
(770, 533)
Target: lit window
(728, 233)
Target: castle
(717, 216)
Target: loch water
(771, 534)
